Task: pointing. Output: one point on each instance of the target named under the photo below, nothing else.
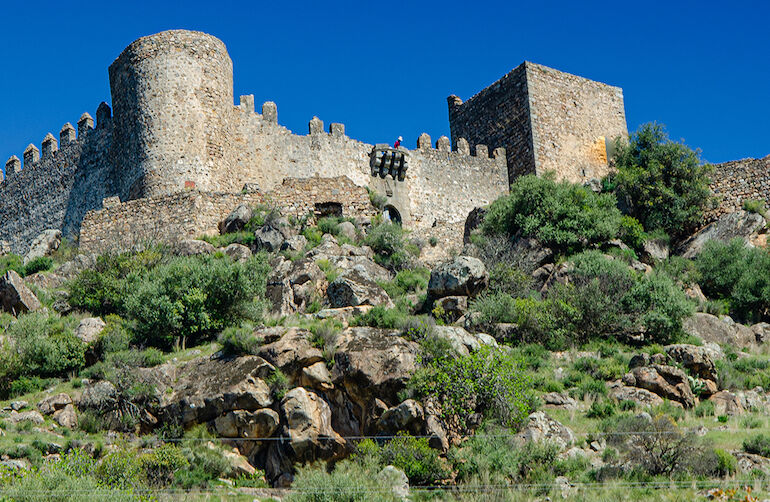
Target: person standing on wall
(398, 142)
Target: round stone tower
(172, 98)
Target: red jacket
(397, 143)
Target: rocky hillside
(567, 351)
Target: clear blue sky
(385, 69)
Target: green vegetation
(739, 276)
(561, 215)
(172, 300)
(388, 241)
(663, 184)
(420, 462)
(489, 381)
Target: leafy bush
(758, 445)
(662, 183)
(601, 409)
(39, 264)
(489, 381)
(607, 299)
(420, 462)
(239, 341)
(192, 298)
(347, 482)
(159, 466)
(44, 345)
(494, 457)
(561, 215)
(206, 463)
(755, 206)
(631, 232)
(388, 241)
(411, 280)
(511, 280)
(739, 275)
(380, 317)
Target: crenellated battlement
(50, 147)
(174, 127)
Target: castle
(175, 154)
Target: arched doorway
(391, 214)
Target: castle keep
(176, 153)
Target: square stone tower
(546, 120)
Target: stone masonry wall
(573, 120)
(498, 116)
(192, 213)
(173, 98)
(55, 191)
(740, 180)
(546, 120)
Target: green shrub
(726, 463)
(489, 381)
(28, 384)
(739, 275)
(329, 225)
(705, 409)
(561, 215)
(758, 445)
(588, 386)
(412, 280)
(662, 183)
(494, 457)
(239, 341)
(192, 298)
(159, 466)
(115, 336)
(45, 346)
(601, 409)
(755, 206)
(377, 199)
(324, 336)
(347, 482)
(39, 264)
(631, 232)
(206, 463)
(279, 384)
(511, 280)
(388, 241)
(380, 317)
(120, 469)
(421, 463)
(537, 320)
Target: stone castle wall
(56, 190)
(573, 120)
(546, 120)
(498, 116)
(740, 180)
(192, 213)
(172, 93)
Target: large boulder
(540, 427)
(654, 250)
(54, 403)
(66, 417)
(100, 395)
(292, 286)
(352, 289)
(309, 426)
(643, 397)
(407, 416)
(44, 244)
(206, 388)
(247, 424)
(696, 359)
(15, 296)
(462, 341)
(723, 331)
(348, 230)
(666, 381)
(761, 332)
(238, 252)
(740, 224)
(268, 239)
(236, 220)
(373, 364)
(292, 352)
(726, 403)
(462, 276)
(192, 247)
(89, 329)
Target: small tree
(662, 183)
